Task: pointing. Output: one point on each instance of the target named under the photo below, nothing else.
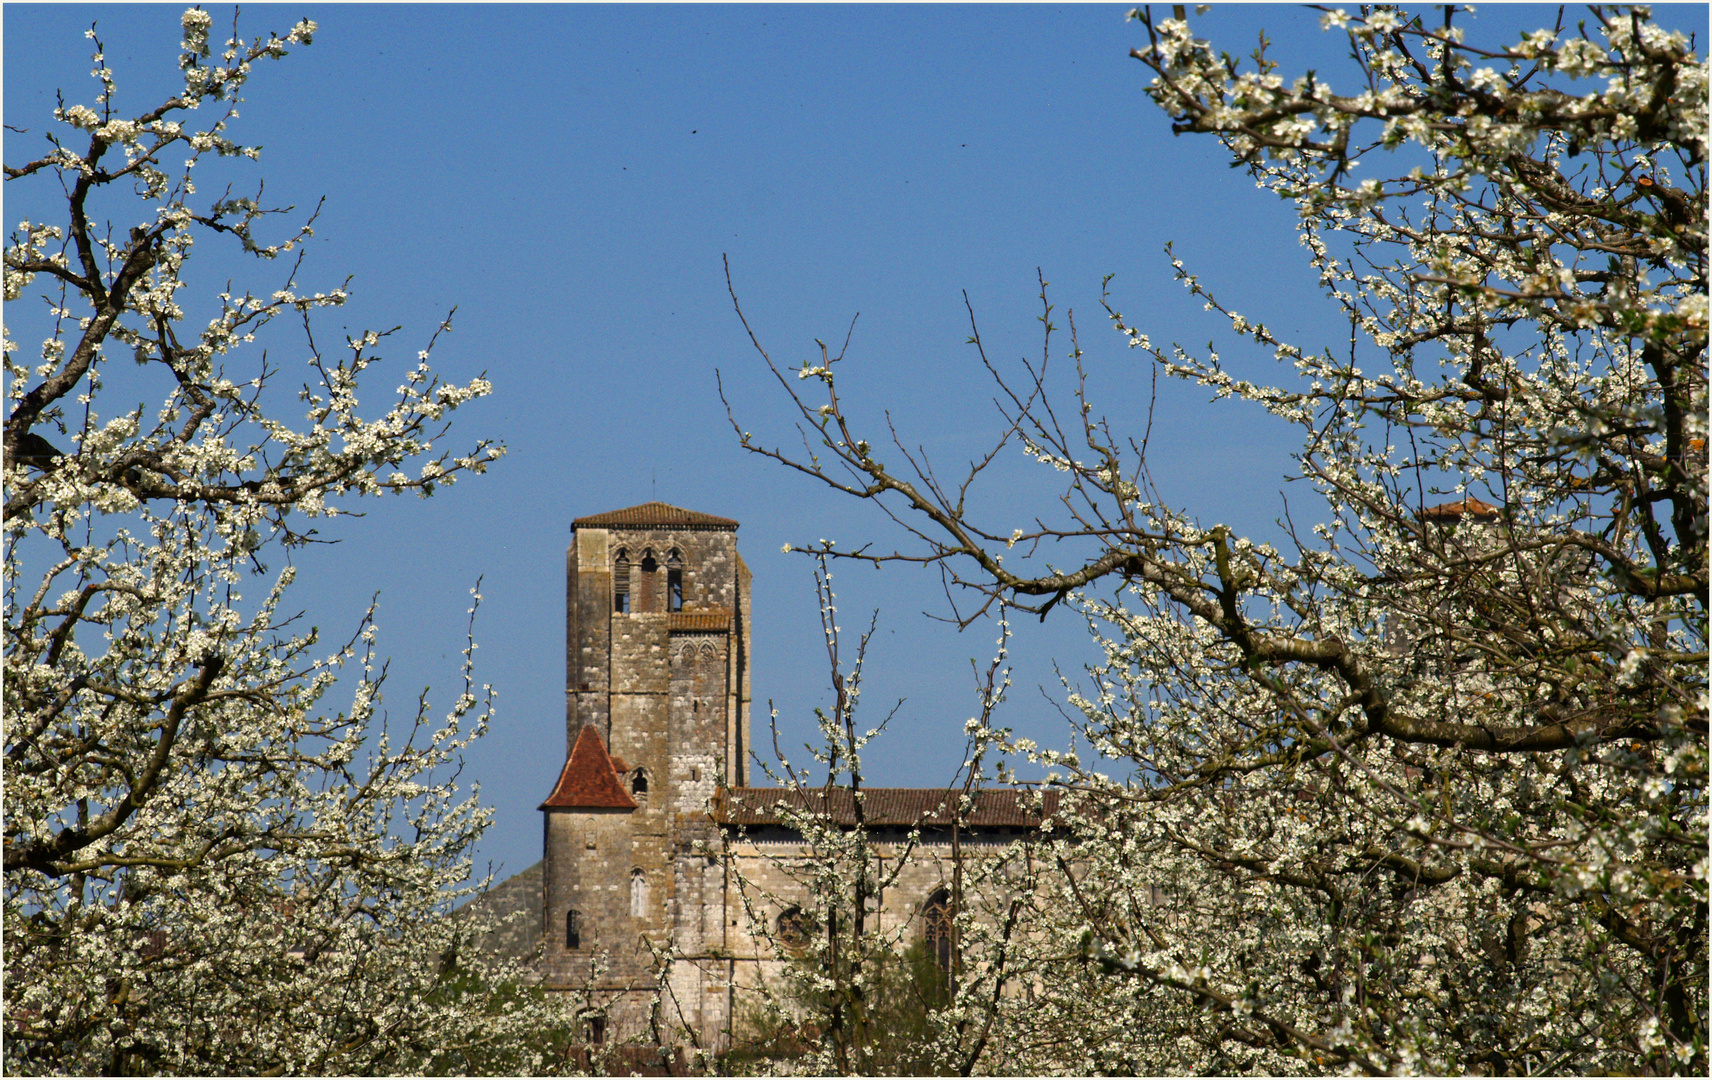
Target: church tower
(656, 719)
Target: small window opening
(573, 929)
(639, 782)
(621, 583)
(638, 894)
(674, 582)
(597, 1029)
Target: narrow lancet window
(638, 894)
(674, 581)
(573, 929)
(645, 598)
(621, 582)
(936, 914)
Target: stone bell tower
(656, 718)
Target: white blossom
(212, 866)
(1424, 789)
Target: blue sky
(571, 178)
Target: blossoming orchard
(1414, 783)
(209, 866)
(1424, 787)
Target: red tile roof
(704, 620)
(589, 781)
(1469, 507)
(907, 807)
(653, 515)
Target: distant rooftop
(1468, 507)
(885, 807)
(657, 515)
(714, 618)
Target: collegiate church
(653, 839)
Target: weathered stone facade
(657, 718)
(652, 826)
(515, 904)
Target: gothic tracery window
(796, 928)
(938, 927)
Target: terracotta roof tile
(709, 619)
(653, 515)
(1469, 507)
(588, 781)
(1000, 808)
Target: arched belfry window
(573, 929)
(639, 782)
(647, 599)
(621, 582)
(938, 927)
(638, 894)
(674, 581)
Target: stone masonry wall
(669, 693)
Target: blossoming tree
(1424, 785)
(206, 869)
(852, 995)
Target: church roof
(1468, 507)
(589, 780)
(708, 619)
(885, 807)
(657, 515)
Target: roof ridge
(654, 513)
(1003, 805)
